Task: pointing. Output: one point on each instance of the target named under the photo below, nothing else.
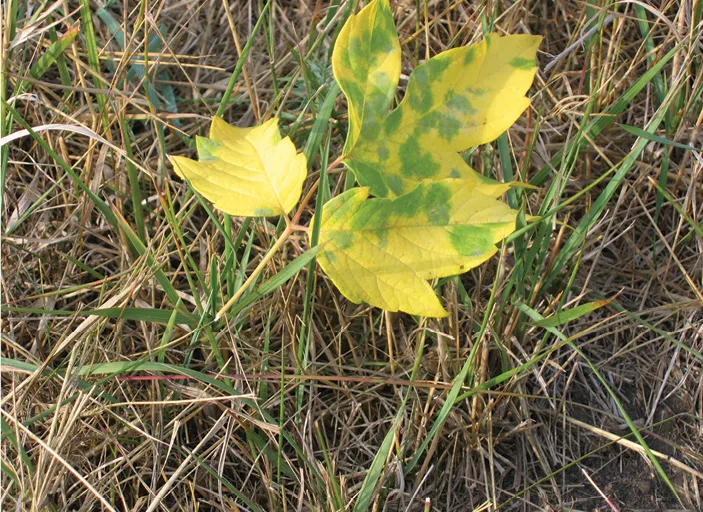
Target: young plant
(431, 215)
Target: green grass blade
(368, 486)
(606, 119)
(275, 282)
(569, 315)
(52, 53)
(655, 138)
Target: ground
(287, 403)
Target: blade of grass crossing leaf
(536, 317)
(319, 127)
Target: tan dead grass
(545, 440)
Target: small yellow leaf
(382, 251)
(247, 172)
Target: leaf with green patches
(383, 251)
(458, 99)
(366, 64)
(247, 172)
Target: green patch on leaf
(522, 63)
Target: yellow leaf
(247, 172)
(459, 99)
(366, 64)
(382, 251)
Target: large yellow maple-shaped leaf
(247, 172)
(382, 251)
(458, 99)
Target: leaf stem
(290, 228)
(313, 189)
